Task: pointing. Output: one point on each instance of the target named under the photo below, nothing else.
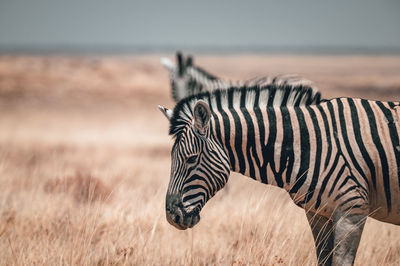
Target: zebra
(188, 79)
(339, 159)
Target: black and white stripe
(338, 159)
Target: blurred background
(228, 26)
(85, 154)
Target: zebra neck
(200, 75)
(265, 145)
(207, 82)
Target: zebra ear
(167, 112)
(181, 66)
(201, 115)
(189, 61)
(167, 64)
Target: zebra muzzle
(177, 216)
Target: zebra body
(188, 79)
(339, 160)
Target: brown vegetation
(84, 166)
(83, 188)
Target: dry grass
(84, 166)
(83, 188)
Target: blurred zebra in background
(338, 159)
(188, 79)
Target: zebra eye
(191, 159)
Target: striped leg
(322, 230)
(347, 234)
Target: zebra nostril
(172, 201)
(177, 219)
(173, 210)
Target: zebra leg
(322, 229)
(347, 234)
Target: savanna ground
(84, 165)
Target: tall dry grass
(84, 166)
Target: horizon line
(200, 49)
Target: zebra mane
(199, 73)
(243, 97)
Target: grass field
(84, 166)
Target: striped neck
(205, 81)
(244, 97)
(200, 75)
(260, 147)
(275, 146)
(248, 125)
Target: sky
(206, 23)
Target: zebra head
(178, 76)
(199, 167)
